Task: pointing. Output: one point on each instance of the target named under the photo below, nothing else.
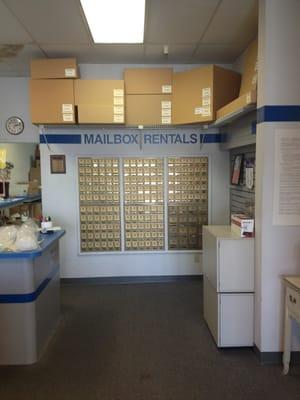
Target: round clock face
(14, 125)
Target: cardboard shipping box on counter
(242, 225)
(148, 110)
(248, 89)
(99, 101)
(35, 174)
(54, 68)
(52, 101)
(198, 93)
(148, 80)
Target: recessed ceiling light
(115, 21)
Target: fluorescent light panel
(115, 21)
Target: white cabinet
(228, 266)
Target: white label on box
(206, 92)
(70, 72)
(118, 101)
(206, 111)
(198, 111)
(166, 120)
(166, 89)
(67, 108)
(119, 118)
(119, 110)
(248, 98)
(68, 117)
(118, 92)
(166, 104)
(206, 101)
(166, 112)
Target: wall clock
(14, 125)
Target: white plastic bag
(27, 236)
(8, 236)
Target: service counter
(29, 300)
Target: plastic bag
(27, 236)
(8, 235)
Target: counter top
(224, 232)
(47, 239)
(14, 201)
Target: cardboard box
(247, 93)
(54, 68)
(36, 210)
(237, 104)
(52, 101)
(100, 101)
(249, 75)
(33, 187)
(148, 109)
(35, 174)
(242, 225)
(148, 80)
(199, 92)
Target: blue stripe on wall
(75, 139)
(211, 138)
(278, 114)
(28, 297)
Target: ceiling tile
(217, 53)
(177, 21)
(177, 53)
(234, 22)
(11, 31)
(98, 54)
(54, 21)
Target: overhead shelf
(227, 119)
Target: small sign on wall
(58, 163)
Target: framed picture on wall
(237, 169)
(58, 164)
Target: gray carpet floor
(142, 342)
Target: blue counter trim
(278, 114)
(48, 240)
(253, 127)
(28, 297)
(62, 139)
(19, 200)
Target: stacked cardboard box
(198, 93)
(52, 91)
(247, 93)
(100, 101)
(148, 96)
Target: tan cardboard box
(94, 114)
(36, 210)
(54, 68)
(249, 75)
(33, 187)
(100, 101)
(148, 80)
(52, 101)
(237, 104)
(35, 174)
(149, 109)
(199, 92)
(247, 94)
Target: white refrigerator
(228, 280)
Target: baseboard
(125, 280)
(275, 357)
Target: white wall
(14, 101)
(20, 155)
(60, 200)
